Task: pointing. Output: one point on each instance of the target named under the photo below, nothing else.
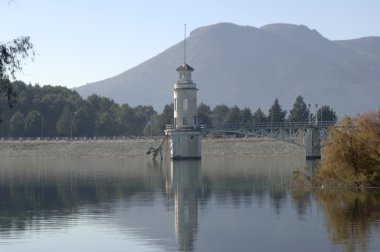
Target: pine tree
(233, 117)
(299, 112)
(259, 117)
(325, 113)
(246, 115)
(276, 114)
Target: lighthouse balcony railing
(198, 127)
(169, 127)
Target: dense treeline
(222, 116)
(57, 111)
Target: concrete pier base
(313, 144)
(184, 144)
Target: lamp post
(316, 114)
(322, 115)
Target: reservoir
(230, 203)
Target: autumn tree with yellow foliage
(351, 156)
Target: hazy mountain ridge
(367, 45)
(250, 66)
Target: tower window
(185, 105)
(184, 121)
(175, 104)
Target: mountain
(248, 66)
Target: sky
(82, 41)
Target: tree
(84, 122)
(166, 117)
(352, 153)
(246, 115)
(11, 55)
(17, 124)
(63, 123)
(325, 113)
(233, 117)
(276, 114)
(151, 127)
(259, 117)
(299, 112)
(125, 117)
(106, 124)
(204, 113)
(219, 115)
(143, 116)
(33, 124)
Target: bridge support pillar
(313, 143)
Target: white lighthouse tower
(185, 135)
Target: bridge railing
(272, 125)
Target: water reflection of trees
(30, 194)
(240, 182)
(61, 190)
(301, 201)
(351, 217)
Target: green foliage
(204, 112)
(233, 117)
(325, 113)
(33, 124)
(166, 117)
(105, 124)
(11, 55)
(63, 123)
(84, 122)
(219, 114)
(246, 115)
(276, 113)
(299, 112)
(259, 117)
(17, 124)
(58, 111)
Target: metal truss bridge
(294, 132)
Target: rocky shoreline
(104, 148)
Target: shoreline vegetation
(350, 157)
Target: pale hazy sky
(83, 41)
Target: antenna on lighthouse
(184, 46)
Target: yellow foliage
(351, 156)
(350, 216)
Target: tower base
(184, 144)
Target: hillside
(250, 66)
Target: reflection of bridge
(302, 133)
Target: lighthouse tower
(185, 135)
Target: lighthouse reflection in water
(184, 179)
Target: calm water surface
(228, 204)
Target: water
(227, 204)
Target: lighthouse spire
(184, 46)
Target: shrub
(351, 156)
